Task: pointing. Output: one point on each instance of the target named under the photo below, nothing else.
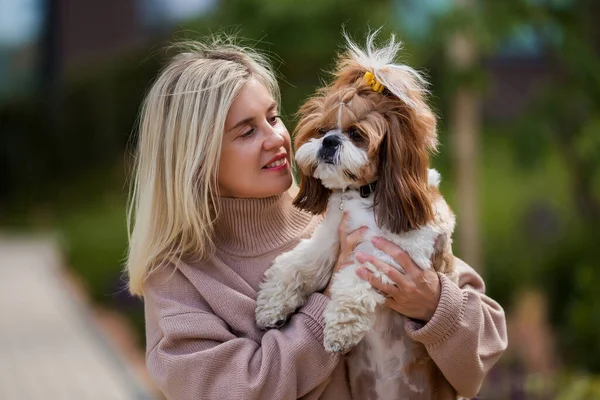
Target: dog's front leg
(351, 312)
(296, 274)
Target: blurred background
(516, 85)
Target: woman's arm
(467, 333)
(196, 356)
(463, 330)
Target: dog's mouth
(327, 156)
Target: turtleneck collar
(253, 227)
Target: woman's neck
(252, 227)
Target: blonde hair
(172, 205)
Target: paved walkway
(49, 347)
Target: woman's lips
(276, 165)
(277, 162)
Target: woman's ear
(312, 196)
(402, 199)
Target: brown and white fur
(349, 136)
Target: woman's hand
(347, 245)
(416, 292)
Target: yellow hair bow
(370, 79)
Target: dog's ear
(402, 200)
(312, 196)
(409, 88)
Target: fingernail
(362, 272)
(361, 257)
(376, 240)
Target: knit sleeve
(196, 355)
(467, 333)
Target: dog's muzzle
(329, 149)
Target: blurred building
(20, 25)
(42, 40)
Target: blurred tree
(549, 238)
(465, 130)
(565, 117)
(303, 36)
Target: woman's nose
(274, 137)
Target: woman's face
(255, 154)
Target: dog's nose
(331, 142)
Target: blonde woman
(211, 209)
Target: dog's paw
(272, 310)
(336, 345)
(269, 314)
(340, 338)
(264, 321)
(347, 332)
(268, 317)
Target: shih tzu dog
(363, 145)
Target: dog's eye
(355, 134)
(323, 131)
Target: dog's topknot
(399, 79)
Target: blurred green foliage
(555, 246)
(578, 388)
(540, 171)
(63, 162)
(61, 133)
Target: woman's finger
(342, 227)
(347, 242)
(347, 247)
(395, 275)
(391, 303)
(355, 237)
(399, 255)
(375, 282)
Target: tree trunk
(465, 125)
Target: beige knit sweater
(202, 342)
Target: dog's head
(370, 124)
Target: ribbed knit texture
(249, 233)
(202, 341)
(252, 227)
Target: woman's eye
(274, 119)
(247, 133)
